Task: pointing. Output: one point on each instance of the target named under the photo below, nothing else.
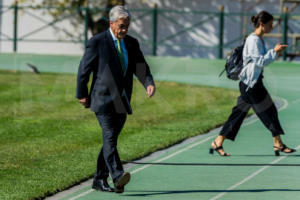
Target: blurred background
(184, 28)
(44, 130)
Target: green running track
(182, 173)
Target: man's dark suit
(110, 92)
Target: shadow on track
(156, 192)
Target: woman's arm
(256, 51)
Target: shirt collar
(113, 36)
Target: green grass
(48, 141)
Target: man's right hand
(84, 102)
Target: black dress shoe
(121, 182)
(102, 185)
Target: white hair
(118, 12)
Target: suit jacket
(110, 90)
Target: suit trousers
(108, 158)
(259, 99)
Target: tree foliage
(97, 11)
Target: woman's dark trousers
(259, 99)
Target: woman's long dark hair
(262, 17)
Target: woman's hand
(280, 47)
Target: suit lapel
(114, 52)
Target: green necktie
(121, 55)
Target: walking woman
(253, 92)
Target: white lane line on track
(285, 104)
(175, 153)
(82, 194)
(249, 177)
(148, 165)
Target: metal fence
(175, 31)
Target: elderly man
(113, 57)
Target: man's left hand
(150, 90)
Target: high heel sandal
(211, 150)
(284, 147)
